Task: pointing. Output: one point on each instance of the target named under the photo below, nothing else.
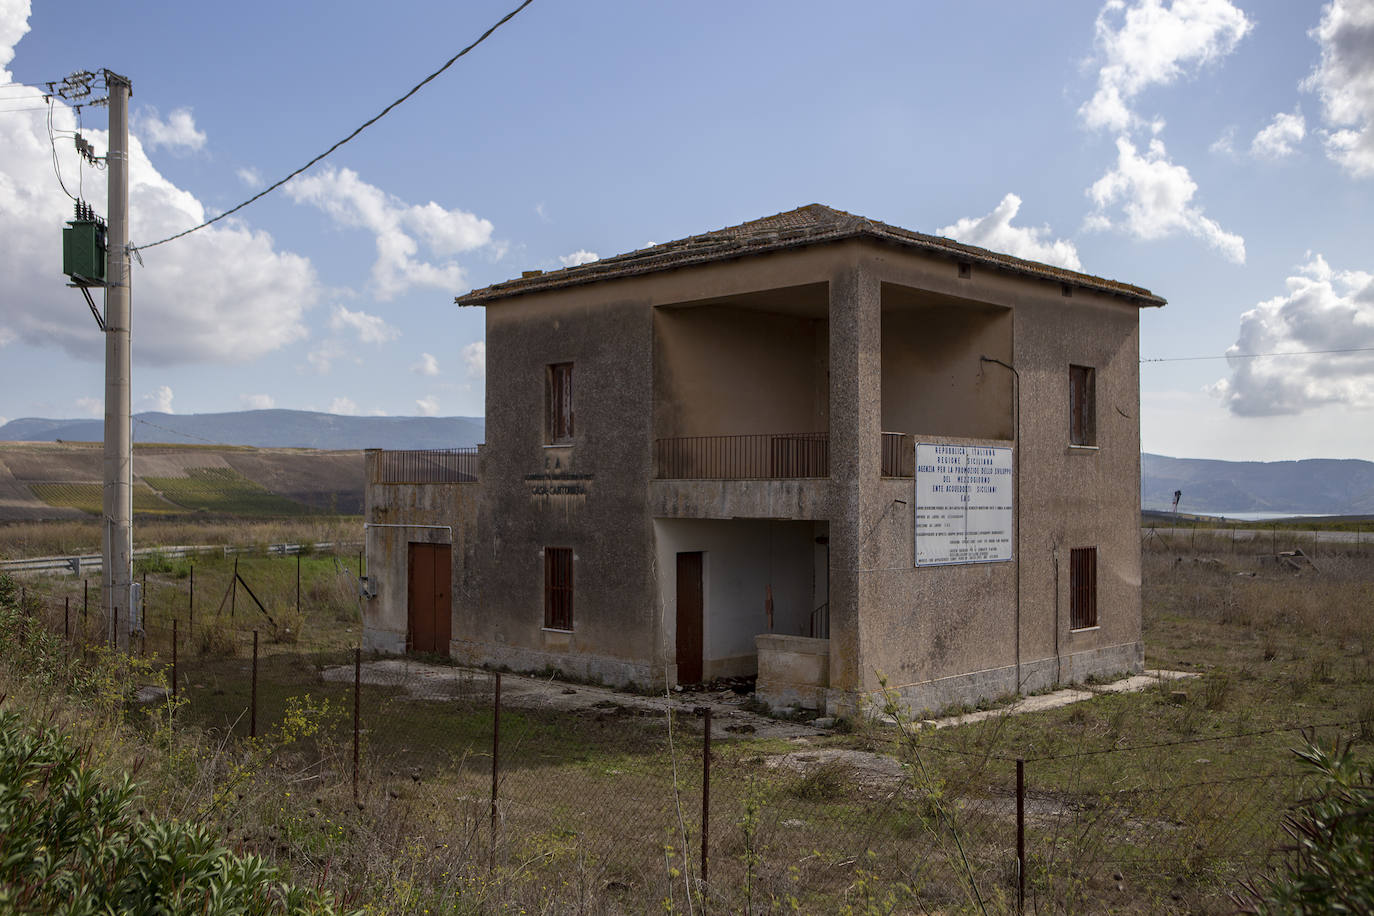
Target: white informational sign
(963, 504)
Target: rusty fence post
(298, 581)
(705, 792)
(174, 658)
(1020, 835)
(191, 606)
(357, 702)
(495, 760)
(66, 617)
(253, 704)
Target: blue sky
(1218, 152)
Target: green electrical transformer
(83, 252)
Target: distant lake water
(1254, 516)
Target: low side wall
(793, 670)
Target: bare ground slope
(324, 481)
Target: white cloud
(249, 297)
(369, 328)
(398, 227)
(94, 407)
(1344, 81)
(1225, 145)
(428, 406)
(6, 336)
(178, 132)
(4, 420)
(323, 356)
(1149, 43)
(996, 232)
(474, 357)
(250, 177)
(541, 213)
(1322, 310)
(580, 256)
(344, 406)
(159, 401)
(14, 25)
(427, 365)
(1281, 137)
(258, 401)
(1154, 196)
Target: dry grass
(82, 536)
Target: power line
(1184, 359)
(366, 124)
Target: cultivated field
(1158, 801)
(45, 480)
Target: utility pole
(117, 547)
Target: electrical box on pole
(84, 245)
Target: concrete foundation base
(922, 699)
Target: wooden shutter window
(1082, 406)
(560, 403)
(558, 588)
(1083, 587)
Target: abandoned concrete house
(812, 447)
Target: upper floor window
(559, 401)
(1082, 405)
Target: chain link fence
(442, 783)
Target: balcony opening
(933, 382)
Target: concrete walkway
(1044, 701)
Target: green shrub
(70, 843)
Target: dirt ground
(731, 718)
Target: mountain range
(1314, 486)
(265, 429)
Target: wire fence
(1259, 538)
(560, 797)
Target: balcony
(419, 466)
(766, 456)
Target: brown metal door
(429, 613)
(689, 613)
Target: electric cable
(366, 124)
(1183, 359)
(56, 165)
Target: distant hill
(265, 429)
(1323, 486)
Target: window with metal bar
(1082, 587)
(1082, 406)
(559, 428)
(558, 588)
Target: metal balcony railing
(430, 465)
(767, 456)
(750, 457)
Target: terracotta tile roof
(809, 225)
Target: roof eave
(586, 274)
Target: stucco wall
(733, 371)
(453, 505)
(588, 496)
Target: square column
(855, 463)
